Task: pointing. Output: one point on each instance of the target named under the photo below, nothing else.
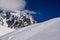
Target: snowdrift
(49, 30)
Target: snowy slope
(4, 28)
(49, 30)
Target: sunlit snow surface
(4, 29)
(49, 30)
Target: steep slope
(4, 29)
(49, 30)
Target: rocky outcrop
(16, 19)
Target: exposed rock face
(16, 19)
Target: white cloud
(12, 4)
(31, 12)
(15, 5)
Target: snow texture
(49, 30)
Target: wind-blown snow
(49, 30)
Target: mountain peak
(16, 19)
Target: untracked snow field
(48, 30)
(4, 30)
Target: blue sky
(48, 9)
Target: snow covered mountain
(11, 20)
(16, 19)
(49, 30)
